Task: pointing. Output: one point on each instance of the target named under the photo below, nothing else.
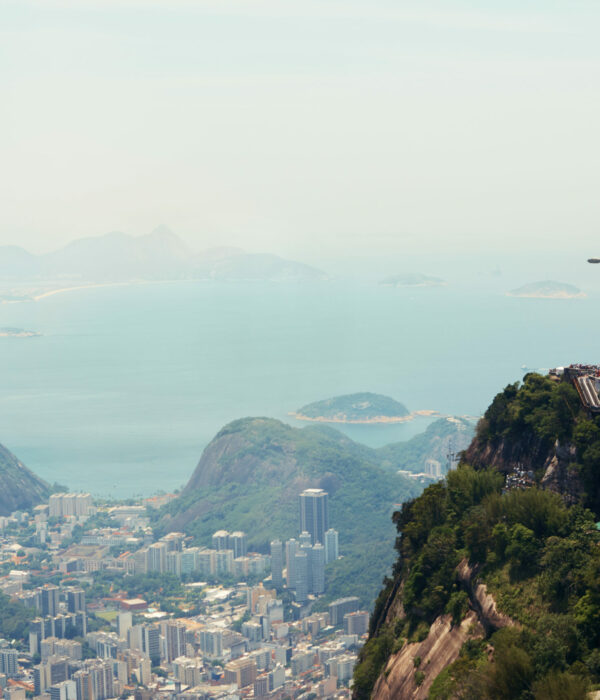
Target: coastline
(79, 287)
(365, 421)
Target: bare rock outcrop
(559, 474)
(402, 675)
(482, 602)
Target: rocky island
(413, 279)
(17, 333)
(363, 407)
(547, 289)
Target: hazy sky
(304, 128)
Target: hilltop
(495, 592)
(547, 289)
(363, 407)
(21, 488)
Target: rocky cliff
(20, 488)
(495, 590)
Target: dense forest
(538, 556)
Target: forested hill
(496, 591)
(250, 477)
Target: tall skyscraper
(291, 547)
(49, 599)
(157, 557)
(174, 632)
(76, 600)
(314, 514)
(317, 569)
(277, 564)
(238, 542)
(301, 566)
(331, 545)
(9, 665)
(220, 540)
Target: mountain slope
(20, 488)
(495, 592)
(443, 437)
(250, 477)
(159, 255)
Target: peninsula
(547, 289)
(363, 407)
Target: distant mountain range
(159, 255)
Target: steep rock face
(560, 475)
(530, 452)
(490, 618)
(436, 652)
(20, 488)
(252, 450)
(554, 462)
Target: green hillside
(535, 547)
(350, 408)
(443, 436)
(250, 477)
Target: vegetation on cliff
(538, 557)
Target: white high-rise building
(314, 513)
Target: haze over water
(128, 384)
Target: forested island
(364, 407)
(547, 289)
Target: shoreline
(366, 421)
(558, 295)
(79, 287)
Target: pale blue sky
(304, 128)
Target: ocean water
(127, 385)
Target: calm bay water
(128, 384)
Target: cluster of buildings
(305, 559)
(243, 640)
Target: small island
(17, 333)
(413, 279)
(547, 289)
(363, 407)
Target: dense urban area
(93, 606)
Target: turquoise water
(128, 384)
